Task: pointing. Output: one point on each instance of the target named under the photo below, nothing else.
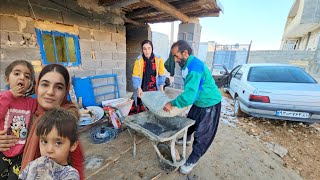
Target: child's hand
(6, 141)
(17, 91)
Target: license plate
(293, 114)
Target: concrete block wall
(191, 33)
(102, 37)
(17, 42)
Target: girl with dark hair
(16, 109)
(148, 75)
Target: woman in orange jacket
(148, 75)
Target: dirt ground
(239, 151)
(301, 141)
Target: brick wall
(102, 37)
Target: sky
(242, 21)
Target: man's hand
(17, 91)
(167, 107)
(6, 141)
(139, 92)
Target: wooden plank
(168, 8)
(134, 22)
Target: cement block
(118, 38)
(91, 64)
(121, 47)
(9, 23)
(118, 56)
(122, 86)
(104, 55)
(15, 37)
(123, 93)
(94, 24)
(189, 27)
(107, 45)
(86, 55)
(119, 72)
(121, 64)
(85, 45)
(4, 37)
(109, 64)
(95, 45)
(85, 34)
(107, 27)
(122, 79)
(81, 73)
(73, 18)
(45, 13)
(103, 71)
(24, 53)
(29, 28)
(102, 36)
(121, 30)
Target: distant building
(203, 51)
(160, 44)
(302, 30)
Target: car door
(235, 82)
(220, 75)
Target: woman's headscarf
(148, 66)
(32, 149)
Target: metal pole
(248, 52)
(214, 53)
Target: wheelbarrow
(161, 130)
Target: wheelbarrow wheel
(166, 153)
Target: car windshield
(279, 74)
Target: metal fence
(231, 55)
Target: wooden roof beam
(137, 23)
(168, 8)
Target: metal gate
(231, 55)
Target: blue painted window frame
(53, 34)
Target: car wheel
(237, 109)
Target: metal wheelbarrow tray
(161, 129)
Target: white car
(275, 91)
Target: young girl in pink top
(16, 110)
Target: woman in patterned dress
(148, 75)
